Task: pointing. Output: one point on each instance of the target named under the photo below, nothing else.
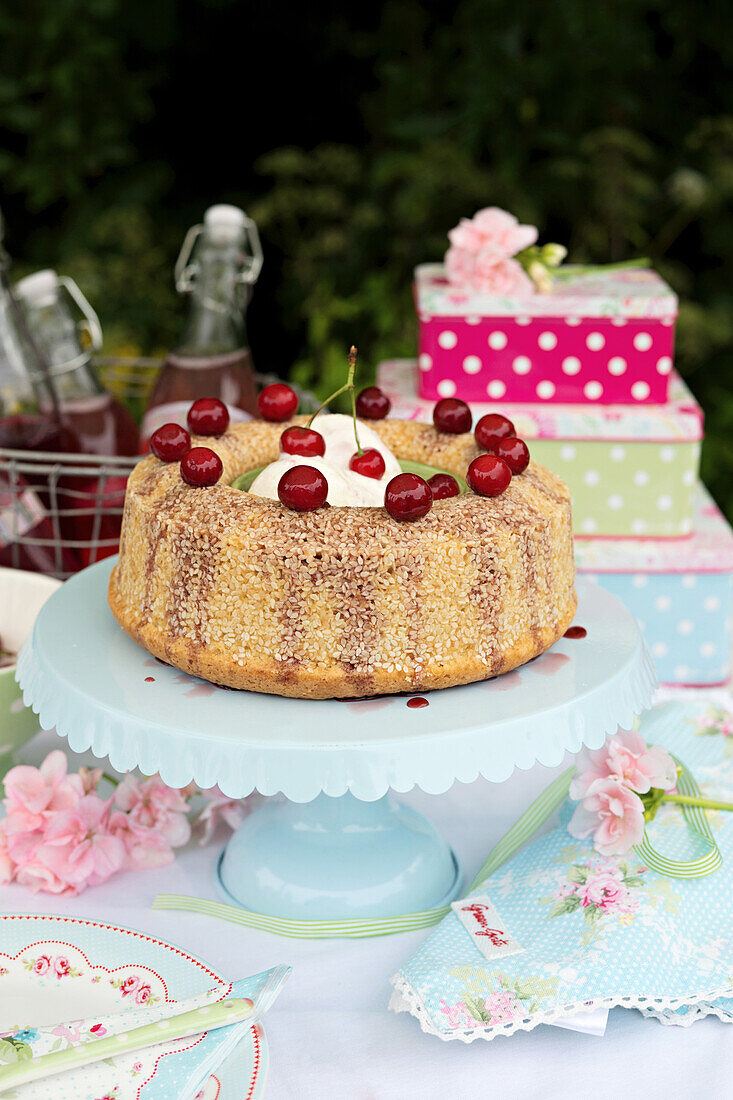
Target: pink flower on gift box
(487, 272)
(129, 985)
(137, 1066)
(142, 996)
(42, 965)
(98, 1030)
(495, 230)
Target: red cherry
(452, 415)
(373, 404)
(277, 402)
(408, 497)
(302, 441)
(515, 453)
(208, 416)
(170, 442)
(443, 486)
(491, 428)
(369, 463)
(488, 475)
(200, 467)
(303, 488)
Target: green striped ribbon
(697, 820)
(521, 831)
(360, 928)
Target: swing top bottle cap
(224, 223)
(40, 288)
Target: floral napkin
(172, 1069)
(590, 931)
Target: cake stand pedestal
(334, 844)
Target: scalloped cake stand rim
(84, 676)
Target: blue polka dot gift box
(680, 592)
(586, 932)
(631, 469)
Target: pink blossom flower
(61, 966)
(604, 891)
(499, 275)
(612, 814)
(98, 1030)
(501, 1007)
(70, 1031)
(129, 985)
(35, 791)
(232, 811)
(137, 1066)
(6, 863)
(628, 758)
(151, 806)
(457, 1014)
(42, 965)
(494, 229)
(143, 994)
(78, 845)
(36, 876)
(90, 778)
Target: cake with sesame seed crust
(342, 601)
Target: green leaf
(633, 880)
(244, 481)
(578, 874)
(425, 471)
(565, 905)
(12, 1050)
(593, 913)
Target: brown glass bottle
(218, 267)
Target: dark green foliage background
(356, 146)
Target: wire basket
(62, 512)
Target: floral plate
(61, 969)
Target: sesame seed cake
(342, 601)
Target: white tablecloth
(330, 1033)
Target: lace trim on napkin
(406, 999)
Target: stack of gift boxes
(586, 373)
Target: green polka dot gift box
(632, 469)
(600, 334)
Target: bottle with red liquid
(217, 268)
(30, 421)
(67, 331)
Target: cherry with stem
(347, 386)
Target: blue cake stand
(334, 844)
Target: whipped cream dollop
(345, 486)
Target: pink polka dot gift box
(631, 469)
(600, 335)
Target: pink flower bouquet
(493, 253)
(619, 788)
(60, 836)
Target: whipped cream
(345, 486)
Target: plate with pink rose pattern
(64, 970)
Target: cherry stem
(691, 800)
(348, 385)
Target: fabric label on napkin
(485, 927)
